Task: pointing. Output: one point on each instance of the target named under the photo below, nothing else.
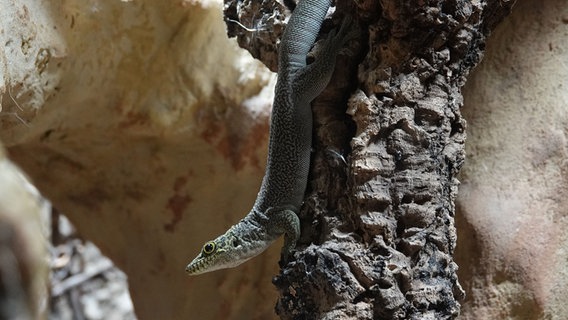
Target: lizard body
(281, 194)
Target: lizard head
(226, 251)
(215, 254)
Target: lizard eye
(209, 247)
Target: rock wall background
(146, 126)
(512, 203)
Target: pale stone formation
(513, 201)
(145, 125)
(23, 246)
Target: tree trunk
(378, 229)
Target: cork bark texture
(145, 125)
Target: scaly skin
(281, 193)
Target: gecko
(275, 211)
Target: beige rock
(150, 134)
(512, 219)
(23, 256)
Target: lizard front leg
(284, 221)
(313, 78)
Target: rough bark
(378, 225)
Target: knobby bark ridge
(378, 230)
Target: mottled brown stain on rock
(238, 138)
(259, 134)
(91, 199)
(159, 264)
(132, 119)
(179, 183)
(177, 204)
